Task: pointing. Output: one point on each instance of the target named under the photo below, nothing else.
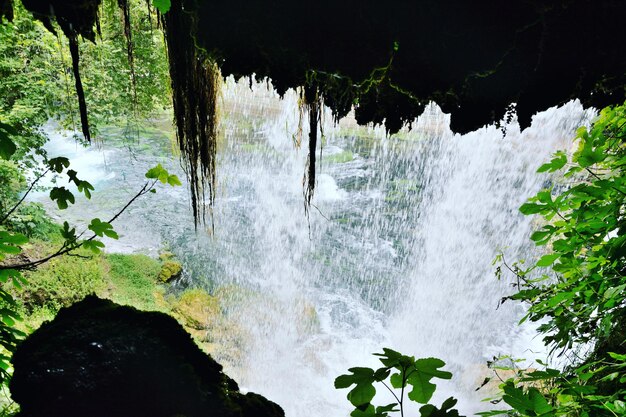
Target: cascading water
(397, 251)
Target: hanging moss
(196, 82)
(312, 104)
(124, 6)
(75, 18)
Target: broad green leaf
(547, 260)
(558, 162)
(93, 245)
(361, 394)
(613, 291)
(362, 411)
(67, 233)
(344, 381)
(381, 374)
(62, 195)
(13, 238)
(396, 380)
(8, 129)
(85, 188)
(101, 229)
(426, 369)
(58, 164)
(7, 147)
(157, 172)
(173, 180)
(387, 408)
(531, 208)
(163, 6)
(9, 274)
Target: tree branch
(6, 216)
(73, 245)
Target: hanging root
(80, 92)
(196, 82)
(124, 6)
(312, 101)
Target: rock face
(99, 359)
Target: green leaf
(9, 243)
(531, 208)
(85, 188)
(344, 381)
(396, 380)
(173, 180)
(13, 238)
(425, 370)
(163, 6)
(101, 229)
(62, 195)
(613, 291)
(7, 147)
(361, 394)
(381, 374)
(363, 411)
(559, 161)
(547, 260)
(155, 172)
(389, 357)
(93, 245)
(8, 129)
(7, 274)
(58, 164)
(67, 233)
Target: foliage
(577, 290)
(583, 297)
(133, 279)
(162, 5)
(401, 372)
(116, 92)
(62, 282)
(12, 243)
(32, 220)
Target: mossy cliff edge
(117, 360)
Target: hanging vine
(196, 82)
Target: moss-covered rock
(197, 308)
(170, 270)
(100, 359)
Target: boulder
(100, 359)
(170, 270)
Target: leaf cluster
(577, 290)
(400, 372)
(580, 300)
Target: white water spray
(397, 251)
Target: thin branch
(73, 245)
(600, 179)
(391, 391)
(319, 211)
(6, 216)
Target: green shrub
(62, 282)
(133, 280)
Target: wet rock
(170, 271)
(99, 359)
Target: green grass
(132, 280)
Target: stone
(170, 270)
(100, 359)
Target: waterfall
(397, 250)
